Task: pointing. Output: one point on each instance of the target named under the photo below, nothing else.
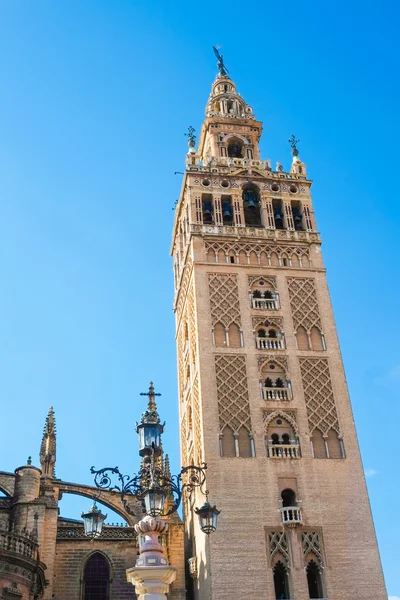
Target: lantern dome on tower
(225, 101)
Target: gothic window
(281, 581)
(228, 443)
(227, 211)
(235, 148)
(219, 335)
(251, 205)
(302, 338)
(334, 445)
(314, 580)
(208, 211)
(318, 444)
(316, 339)
(96, 578)
(278, 213)
(282, 441)
(244, 443)
(235, 337)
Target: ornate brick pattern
(304, 303)
(289, 416)
(233, 400)
(254, 279)
(278, 545)
(311, 544)
(184, 440)
(279, 360)
(198, 443)
(318, 393)
(234, 248)
(224, 299)
(272, 322)
(192, 323)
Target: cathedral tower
(262, 391)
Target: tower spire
(48, 446)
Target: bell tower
(262, 391)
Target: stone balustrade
(291, 516)
(283, 451)
(22, 544)
(274, 393)
(258, 232)
(264, 303)
(267, 343)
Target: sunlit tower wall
(263, 398)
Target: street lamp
(93, 521)
(208, 517)
(152, 484)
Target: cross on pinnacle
(152, 400)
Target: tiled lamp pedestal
(152, 574)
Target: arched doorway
(96, 578)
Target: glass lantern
(208, 516)
(149, 438)
(154, 498)
(93, 521)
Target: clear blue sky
(95, 98)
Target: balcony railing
(274, 393)
(21, 544)
(265, 343)
(283, 451)
(264, 303)
(291, 516)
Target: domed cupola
(224, 101)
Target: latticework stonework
(270, 322)
(224, 299)
(192, 323)
(255, 278)
(184, 440)
(198, 442)
(183, 287)
(289, 416)
(318, 394)
(278, 547)
(266, 358)
(304, 304)
(311, 544)
(234, 248)
(180, 343)
(233, 399)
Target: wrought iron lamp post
(152, 574)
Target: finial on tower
(293, 142)
(191, 138)
(223, 71)
(151, 414)
(48, 446)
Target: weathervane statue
(223, 71)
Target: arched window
(228, 443)
(316, 339)
(288, 497)
(219, 335)
(281, 582)
(235, 338)
(96, 578)
(244, 443)
(251, 205)
(235, 148)
(318, 444)
(227, 210)
(208, 210)
(314, 580)
(302, 338)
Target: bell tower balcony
(291, 516)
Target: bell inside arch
(251, 198)
(226, 209)
(207, 208)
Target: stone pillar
(152, 574)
